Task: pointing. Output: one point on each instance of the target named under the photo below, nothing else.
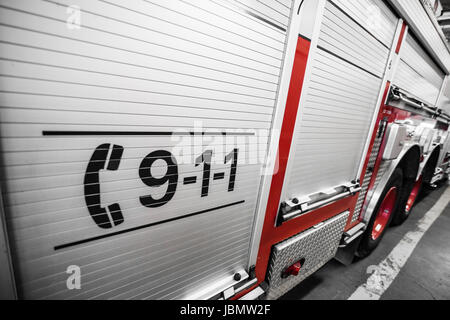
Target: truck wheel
(406, 205)
(382, 215)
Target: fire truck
(211, 149)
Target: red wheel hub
(413, 196)
(384, 213)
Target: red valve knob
(293, 270)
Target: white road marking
(385, 273)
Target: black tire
(402, 213)
(368, 244)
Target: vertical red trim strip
(400, 40)
(284, 147)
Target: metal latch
(398, 94)
(298, 206)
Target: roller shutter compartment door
(340, 100)
(421, 23)
(372, 15)
(417, 73)
(129, 139)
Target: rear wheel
(406, 205)
(382, 215)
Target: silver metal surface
(408, 79)
(247, 284)
(384, 165)
(404, 100)
(391, 68)
(7, 281)
(385, 171)
(304, 205)
(352, 234)
(369, 172)
(225, 288)
(349, 240)
(395, 139)
(445, 149)
(144, 66)
(333, 129)
(345, 38)
(316, 245)
(413, 12)
(355, 230)
(426, 140)
(410, 102)
(337, 107)
(441, 98)
(444, 102)
(254, 294)
(374, 16)
(304, 23)
(438, 176)
(418, 74)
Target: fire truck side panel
(338, 105)
(418, 20)
(418, 74)
(336, 111)
(302, 184)
(373, 16)
(304, 22)
(420, 78)
(374, 144)
(111, 106)
(196, 149)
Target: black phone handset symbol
(104, 217)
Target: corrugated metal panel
(374, 16)
(417, 73)
(315, 247)
(134, 72)
(384, 165)
(408, 79)
(342, 36)
(422, 63)
(369, 173)
(338, 106)
(334, 126)
(277, 11)
(382, 169)
(420, 23)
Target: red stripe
(400, 40)
(243, 293)
(284, 147)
